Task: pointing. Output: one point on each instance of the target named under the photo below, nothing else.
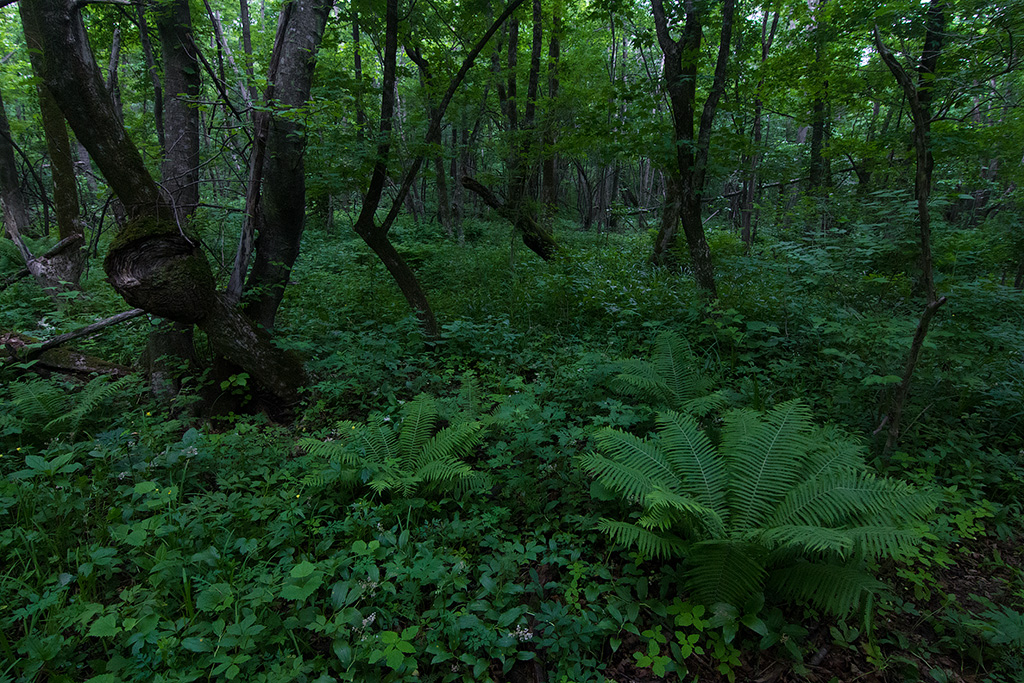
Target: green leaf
(302, 570)
(105, 627)
(215, 598)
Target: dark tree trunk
(919, 98)
(153, 264)
(376, 236)
(680, 72)
(750, 182)
(284, 178)
(15, 207)
(180, 167)
(154, 75)
(64, 269)
(549, 169)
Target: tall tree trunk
(549, 169)
(284, 178)
(180, 167)
(15, 209)
(680, 72)
(153, 264)
(919, 97)
(154, 75)
(754, 159)
(64, 269)
(376, 236)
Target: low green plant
(776, 504)
(402, 457)
(672, 378)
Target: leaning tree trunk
(154, 263)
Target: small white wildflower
(522, 634)
(370, 619)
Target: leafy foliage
(777, 503)
(404, 457)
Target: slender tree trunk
(154, 75)
(63, 270)
(919, 98)
(754, 160)
(15, 208)
(549, 171)
(284, 177)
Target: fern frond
(334, 451)
(805, 539)
(831, 450)
(877, 542)
(640, 455)
(837, 589)
(676, 365)
(90, 398)
(846, 497)
(767, 462)
(648, 543)
(417, 424)
(703, 406)
(725, 571)
(640, 379)
(658, 501)
(688, 451)
(380, 442)
(452, 442)
(38, 402)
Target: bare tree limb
(34, 351)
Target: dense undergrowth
(141, 545)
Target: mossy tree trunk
(153, 264)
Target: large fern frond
(659, 501)
(672, 377)
(39, 402)
(380, 442)
(451, 443)
(677, 366)
(648, 543)
(831, 450)
(845, 497)
(767, 462)
(835, 588)
(699, 469)
(725, 570)
(804, 540)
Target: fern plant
(403, 457)
(671, 379)
(777, 505)
(48, 408)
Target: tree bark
(692, 152)
(180, 167)
(284, 177)
(919, 98)
(62, 271)
(15, 209)
(153, 263)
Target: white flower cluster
(522, 634)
